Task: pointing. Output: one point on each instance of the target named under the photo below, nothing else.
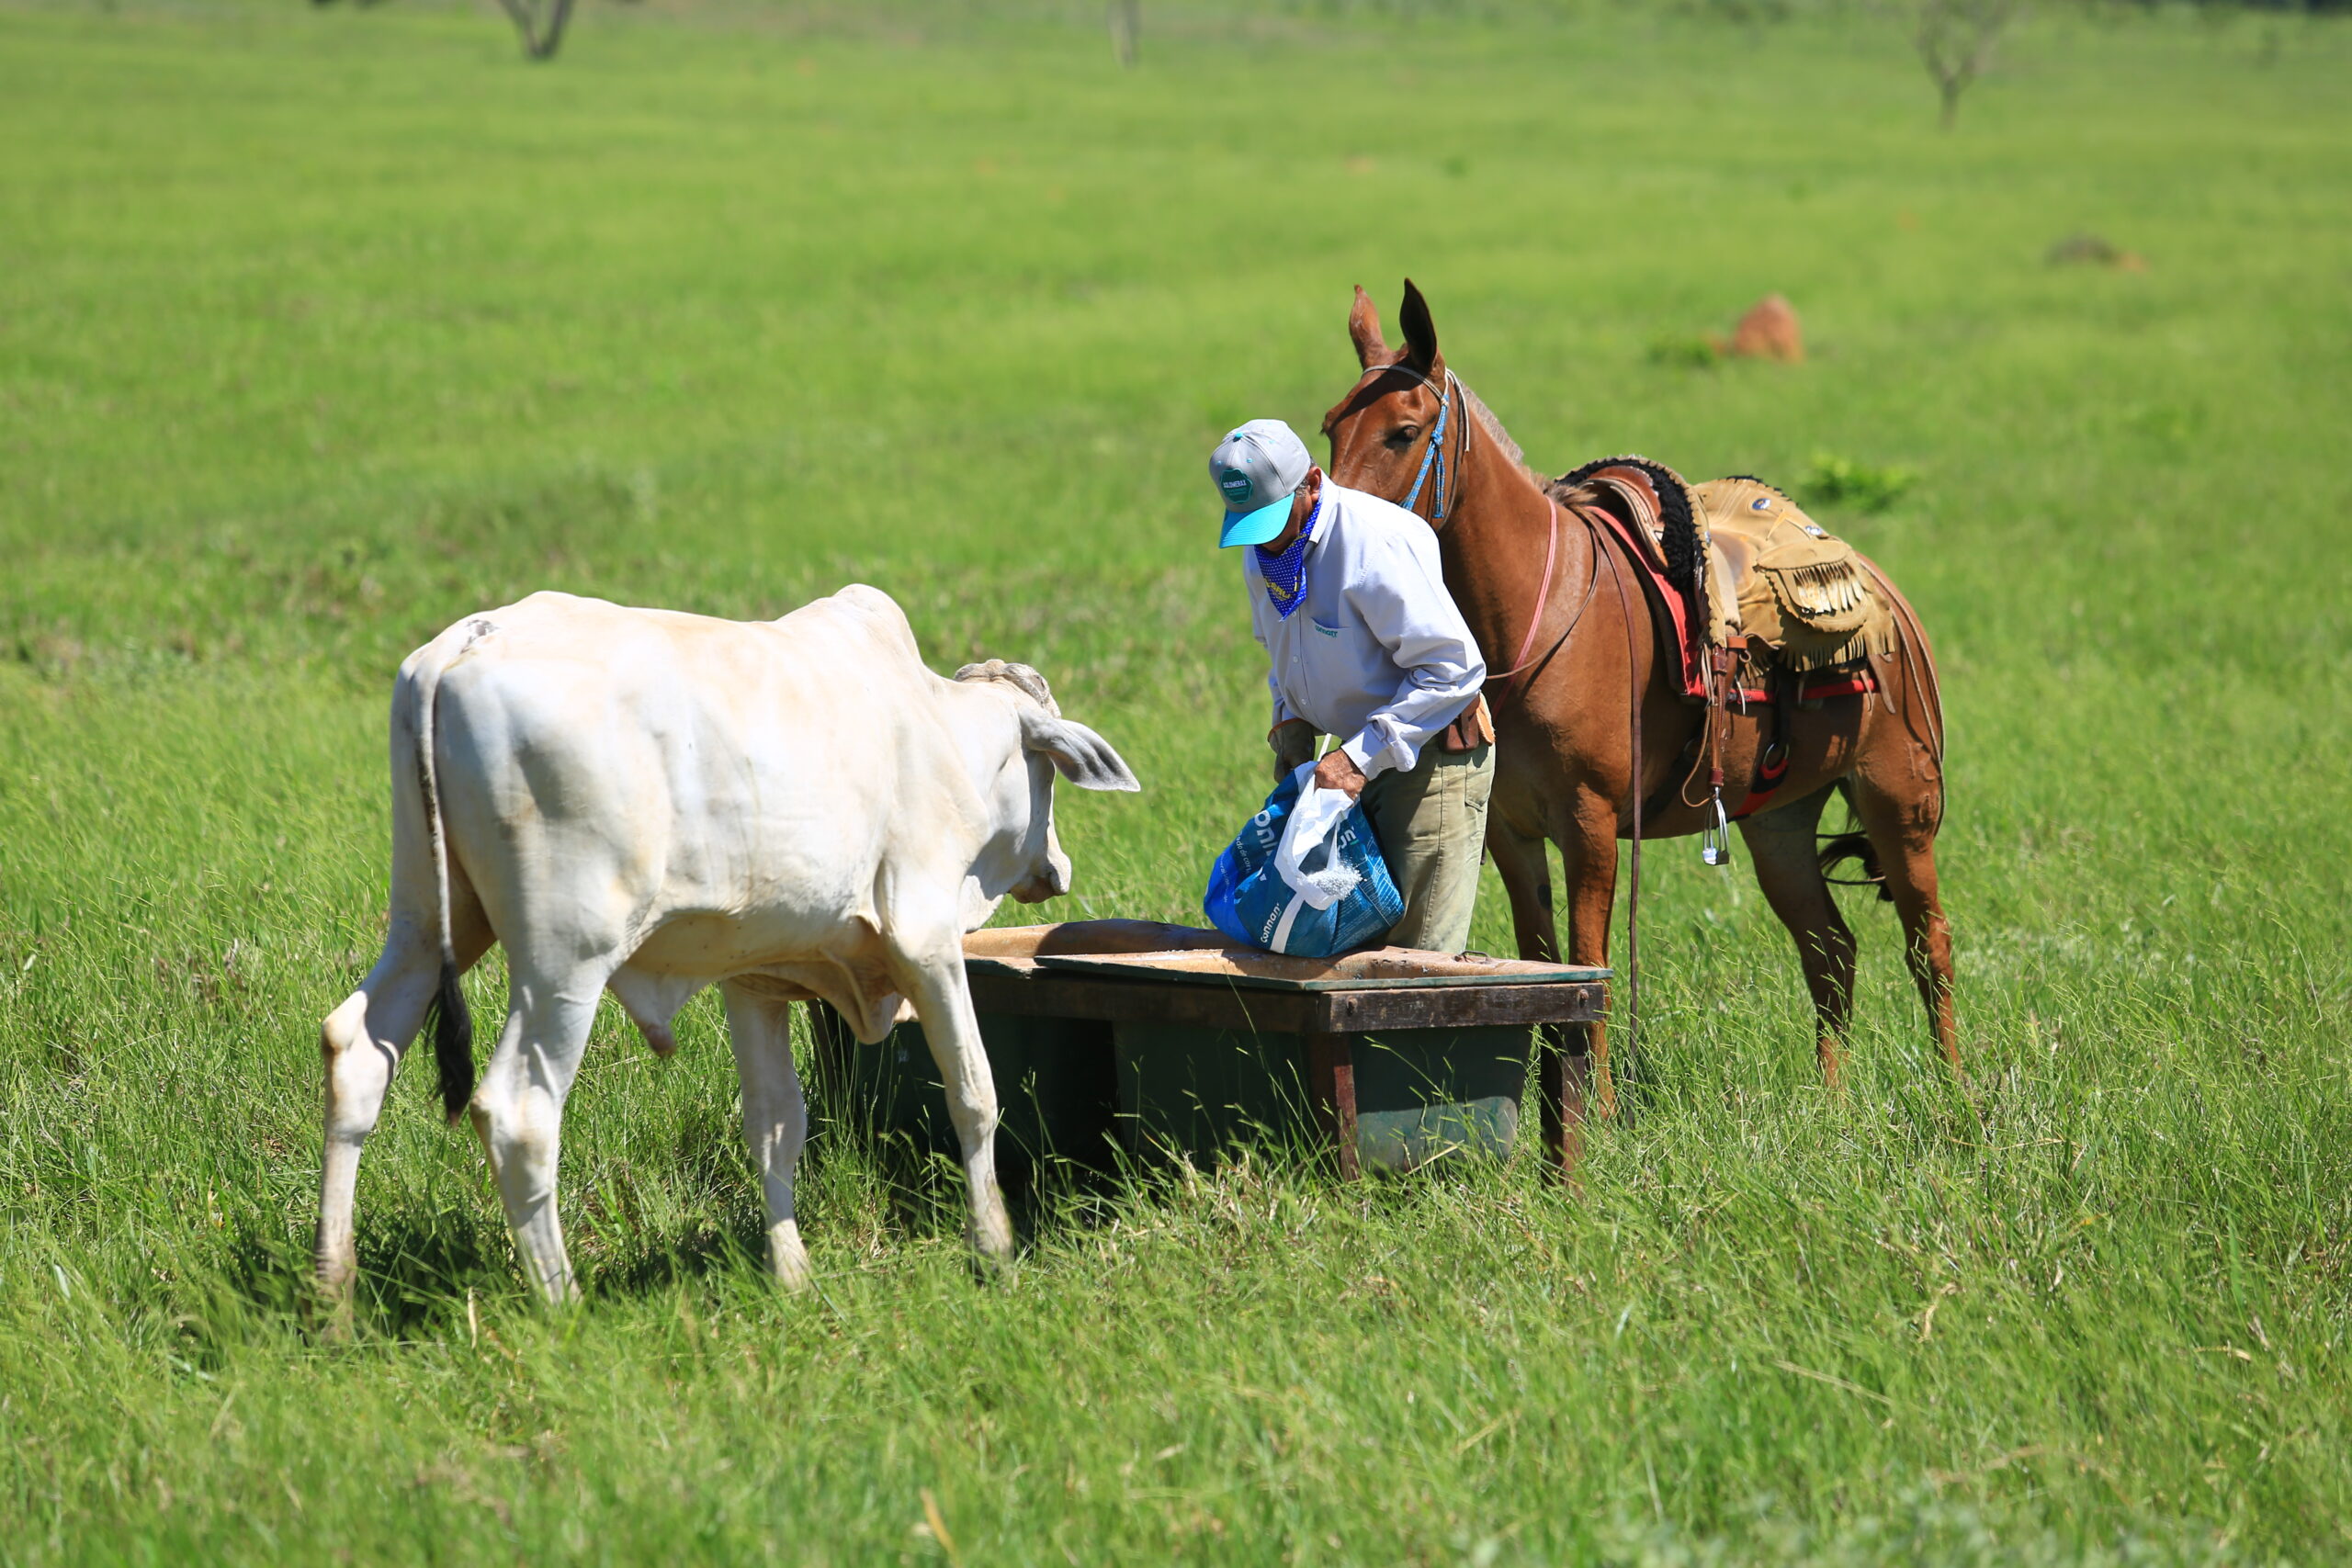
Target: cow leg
(517, 1110)
(775, 1118)
(1788, 868)
(943, 1003)
(361, 1045)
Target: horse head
(1385, 431)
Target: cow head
(1024, 856)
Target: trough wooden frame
(1329, 1021)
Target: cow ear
(1084, 757)
(1420, 332)
(1364, 331)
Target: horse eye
(1404, 435)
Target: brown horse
(1567, 749)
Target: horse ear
(1420, 332)
(1364, 331)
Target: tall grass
(319, 329)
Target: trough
(1111, 1037)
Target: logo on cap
(1235, 484)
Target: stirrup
(1714, 838)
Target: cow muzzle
(1050, 883)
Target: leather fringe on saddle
(1801, 595)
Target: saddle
(1747, 585)
(1757, 603)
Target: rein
(1521, 664)
(1542, 600)
(1434, 462)
(1634, 722)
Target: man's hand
(1294, 743)
(1339, 771)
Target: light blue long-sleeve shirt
(1378, 654)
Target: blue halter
(1433, 458)
(1433, 461)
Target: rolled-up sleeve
(1404, 604)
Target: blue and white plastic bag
(1305, 876)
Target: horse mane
(1494, 428)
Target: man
(1348, 601)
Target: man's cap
(1258, 468)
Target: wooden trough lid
(1376, 969)
(1095, 967)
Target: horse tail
(1838, 849)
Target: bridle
(1434, 461)
(1437, 465)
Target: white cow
(650, 803)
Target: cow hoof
(560, 1295)
(992, 1253)
(787, 1260)
(329, 1310)
(333, 1321)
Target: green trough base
(1086, 1091)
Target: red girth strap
(1849, 683)
(1772, 762)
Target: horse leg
(1527, 880)
(1903, 832)
(1788, 868)
(1562, 1063)
(1587, 842)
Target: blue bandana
(1285, 573)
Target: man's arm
(1406, 605)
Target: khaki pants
(1431, 823)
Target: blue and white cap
(1258, 468)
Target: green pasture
(320, 328)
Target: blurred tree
(1956, 40)
(542, 31)
(542, 27)
(1126, 24)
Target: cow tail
(452, 1024)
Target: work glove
(1294, 743)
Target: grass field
(320, 328)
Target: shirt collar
(1314, 520)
